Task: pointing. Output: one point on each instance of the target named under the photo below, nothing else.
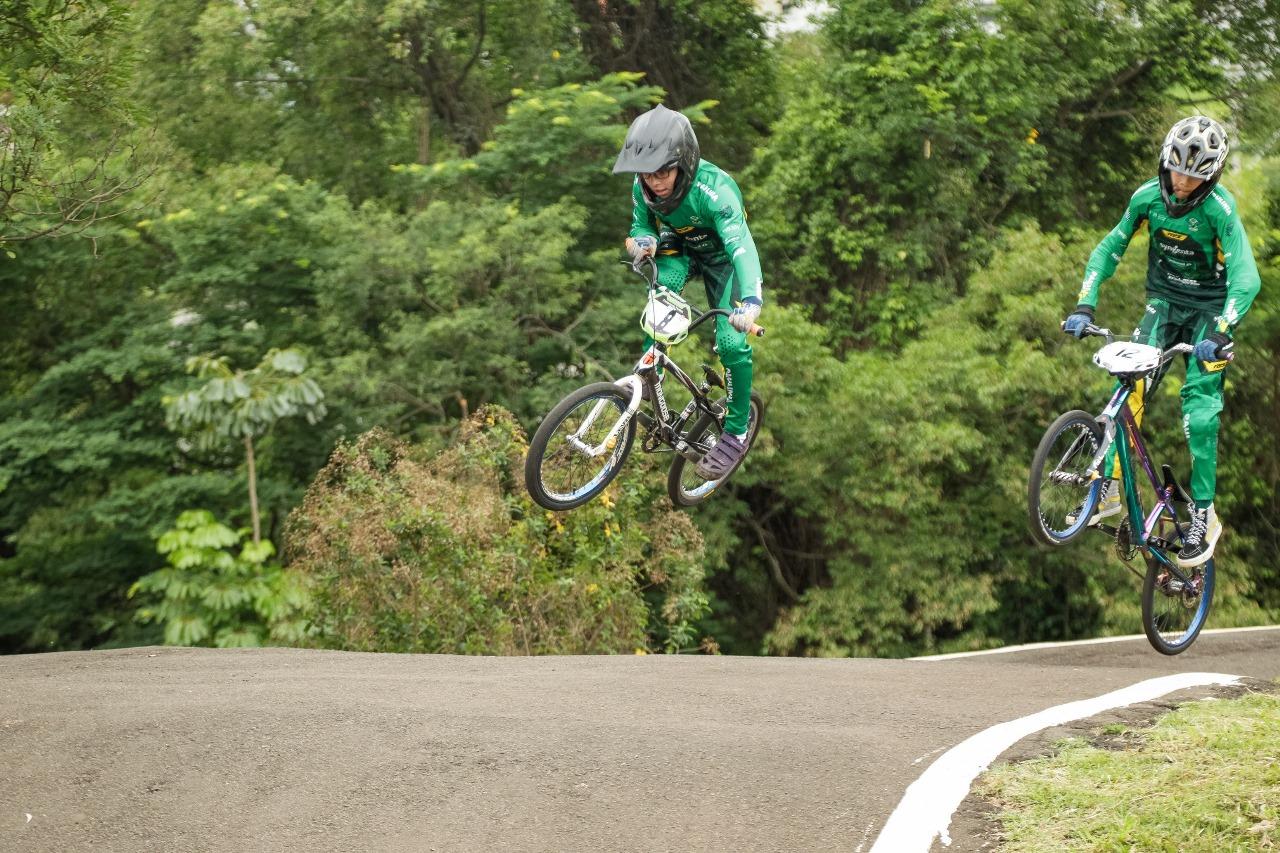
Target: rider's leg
(1201, 405)
(735, 352)
(735, 355)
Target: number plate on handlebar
(667, 317)
(1122, 357)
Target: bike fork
(634, 383)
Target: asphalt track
(280, 749)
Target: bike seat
(713, 378)
(1179, 494)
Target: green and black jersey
(1201, 261)
(710, 223)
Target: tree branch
(775, 568)
(475, 54)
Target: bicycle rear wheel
(684, 486)
(559, 471)
(1062, 493)
(1173, 612)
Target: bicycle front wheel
(579, 447)
(684, 486)
(1174, 611)
(1062, 492)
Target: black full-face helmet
(656, 140)
(1195, 146)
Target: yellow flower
(1032, 136)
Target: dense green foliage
(70, 145)
(448, 554)
(210, 594)
(416, 195)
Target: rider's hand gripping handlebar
(648, 267)
(1177, 349)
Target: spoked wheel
(684, 485)
(1062, 493)
(561, 471)
(1173, 612)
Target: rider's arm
(731, 224)
(1107, 255)
(1243, 282)
(642, 221)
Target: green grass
(1205, 778)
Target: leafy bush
(209, 595)
(414, 553)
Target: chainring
(1126, 548)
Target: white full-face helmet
(1196, 146)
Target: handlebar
(1177, 349)
(648, 267)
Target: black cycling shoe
(1200, 540)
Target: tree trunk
(424, 133)
(253, 490)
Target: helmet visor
(644, 159)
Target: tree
(88, 475)
(70, 146)
(695, 51)
(922, 128)
(337, 90)
(242, 405)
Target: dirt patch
(976, 824)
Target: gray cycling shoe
(1108, 504)
(722, 458)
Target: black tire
(1172, 613)
(541, 466)
(684, 486)
(1068, 446)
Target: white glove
(641, 246)
(744, 316)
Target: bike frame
(1121, 427)
(667, 427)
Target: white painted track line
(926, 809)
(1063, 644)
